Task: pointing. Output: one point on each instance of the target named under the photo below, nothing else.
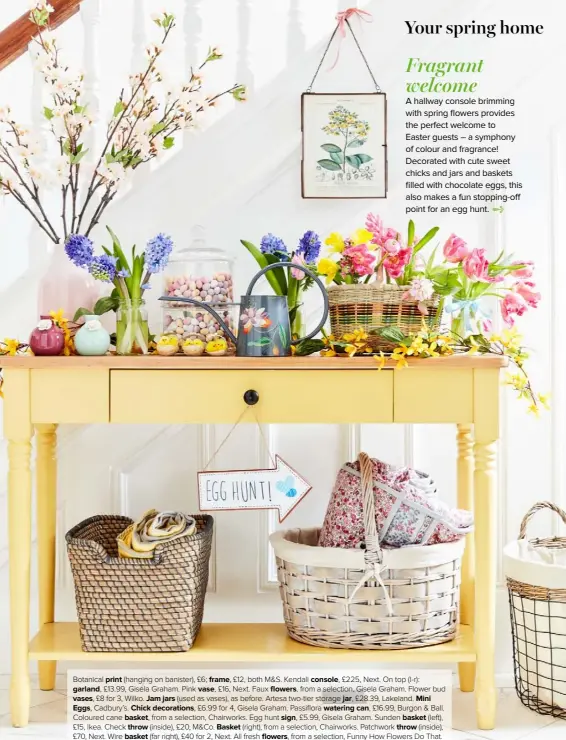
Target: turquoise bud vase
(92, 338)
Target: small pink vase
(47, 338)
(66, 286)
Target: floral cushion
(406, 514)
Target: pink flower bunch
(358, 260)
(395, 255)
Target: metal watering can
(264, 327)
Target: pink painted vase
(47, 338)
(66, 286)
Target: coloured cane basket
(370, 598)
(138, 605)
(536, 579)
(373, 307)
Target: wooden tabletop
(182, 362)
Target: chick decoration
(167, 345)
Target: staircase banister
(15, 38)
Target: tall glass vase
(65, 286)
(132, 330)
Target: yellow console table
(42, 392)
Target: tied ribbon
(374, 569)
(343, 19)
(469, 309)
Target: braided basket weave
(138, 605)
(373, 307)
(371, 598)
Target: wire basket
(373, 307)
(129, 605)
(371, 598)
(537, 601)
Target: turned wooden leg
(466, 671)
(19, 536)
(486, 541)
(46, 491)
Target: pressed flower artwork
(344, 145)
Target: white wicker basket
(371, 598)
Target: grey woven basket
(138, 605)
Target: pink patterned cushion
(405, 515)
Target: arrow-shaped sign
(279, 488)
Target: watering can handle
(308, 273)
(203, 307)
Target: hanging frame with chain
(344, 139)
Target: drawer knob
(251, 397)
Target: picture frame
(344, 145)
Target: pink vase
(66, 286)
(47, 338)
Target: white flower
(41, 5)
(421, 289)
(4, 112)
(60, 170)
(112, 172)
(36, 174)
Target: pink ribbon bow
(342, 18)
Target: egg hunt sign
(280, 488)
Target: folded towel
(141, 538)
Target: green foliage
(357, 160)
(331, 148)
(262, 261)
(329, 164)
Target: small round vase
(92, 339)
(47, 338)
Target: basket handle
(533, 510)
(373, 552)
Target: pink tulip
(395, 263)
(513, 304)
(298, 259)
(455, 249)
(526, 271)
(475, 265)
(526, 290)
(392, 246)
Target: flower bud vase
(66, 286)
(47, 338)
(132, 331)
(92, 339)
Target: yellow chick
(167, 345)
(217, 347)
(193, 346)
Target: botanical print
(345, 163)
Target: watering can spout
(206, 307)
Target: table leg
(46, 491)
(466, 671)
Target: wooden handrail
(15, 39)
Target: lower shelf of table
(259, 643)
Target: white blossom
(41, 5)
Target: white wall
(240, 179)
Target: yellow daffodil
(335, 242)
(327, 267)
(381, 360)
(362, 236)
(327, 353)
(58, 317)
(543, 400)
(10, 347)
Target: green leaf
(118, 252)
(425, 240)
(392, 334)
(260, 342)
(120, 107)
(168, 142)
(80, 312)
(430, 264)
(67, 146)
(157, 128)
(411, 233)
(283, 336)
(278, 273)
(329, 164)
(261, 260)
(76, 158)
(309, 347)
(48, 113)
(336, 157)
(356, 143)
(105, 304)
(357, 160)
(331, 148)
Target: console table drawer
(70, 397)
(216, 396)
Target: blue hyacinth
(79, 250)
(103, 268)
(271, 244)
(309, 246)
(157, 253)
